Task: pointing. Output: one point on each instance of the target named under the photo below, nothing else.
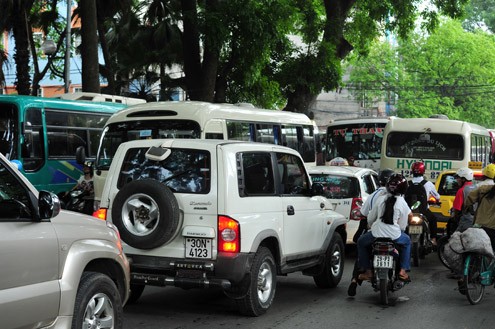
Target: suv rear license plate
(198, 248)
(382, 261)
(415, 229)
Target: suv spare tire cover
(155, 227)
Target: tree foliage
(447, 72)
(244, 50)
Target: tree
(448, 72)
(89, 46)
(480, 14)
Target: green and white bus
(44, 133)
(440, 143)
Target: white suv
(58, 269)
(200, 213)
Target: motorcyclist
(85, 183)
(418, 170)
(363, 223)
(388, 219)
(464, 177)
(488, 174)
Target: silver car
(58, 269)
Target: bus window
(360, 138)
(8, 131)
(32, 148)
(418, 145)
(239, 131)
(265, 133)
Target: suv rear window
(183, 171)
(338, 187)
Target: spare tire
(146, 213)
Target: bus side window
(32, 148)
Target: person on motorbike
(488, 174)
(363, 223)
(388, 219)
(464, 177)
(85, 183)
(418, 171)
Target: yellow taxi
(447, 187)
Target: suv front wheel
(98, 303)
(262, 286)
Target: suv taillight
(356, 209)
(229, 235)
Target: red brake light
(101, 214)
(356, 209)
(228, 235)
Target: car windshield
(184, 170)
(338, 187)
(117, 133)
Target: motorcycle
(419, 232)
(386, 268)
(76, 200)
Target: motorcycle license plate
(415, 229)
(383, 261)
(198, 248)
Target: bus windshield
(8, 130)
(419, 145)
(116, 133)
(361, 140)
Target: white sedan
(347, 188)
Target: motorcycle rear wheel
(472, 278)
(383, 283)
(415, 253)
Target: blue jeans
(364, 246)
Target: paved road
(430, 301)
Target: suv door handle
(290, 210)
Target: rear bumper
(223, 272)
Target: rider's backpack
(417, 192)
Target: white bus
(440, 143)
(360, 138)
(204, 121)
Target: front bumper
(225, 271)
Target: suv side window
(257, 174)
(369, 187)
(292, 174)
(14, 199)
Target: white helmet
(465, 173)
(338, 161)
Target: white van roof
(95, 97)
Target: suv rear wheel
(333, 266)
(263, 283)
(146, 213)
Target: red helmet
(397, 184)
(418, 168)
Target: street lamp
(48, 47)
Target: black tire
(262, 286)
(415, 254)
(441, 243)
(383, 291)
(146, 213)
(333, 266)
(135, 293)
(474, 267)
(97, 289)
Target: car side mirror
(48, 205)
